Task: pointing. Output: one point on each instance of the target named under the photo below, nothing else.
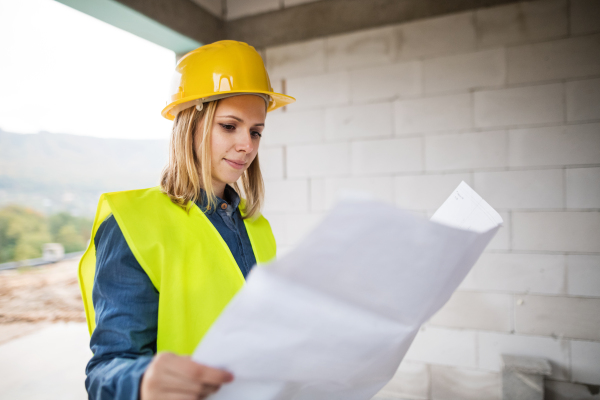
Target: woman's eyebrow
(237, 119)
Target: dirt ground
(34, 297)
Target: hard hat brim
(278, 100)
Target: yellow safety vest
(187, 260)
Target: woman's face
(236, 131)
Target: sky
(62, 71)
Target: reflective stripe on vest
(187, 260)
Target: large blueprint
(335, 316)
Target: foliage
(24, 231)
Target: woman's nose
(245, 142)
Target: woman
(165, 261)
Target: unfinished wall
(506, 99)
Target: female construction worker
(165, 261)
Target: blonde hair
(189, 167)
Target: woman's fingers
(170, 376)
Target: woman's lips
(235, 164)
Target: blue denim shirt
(126, 303)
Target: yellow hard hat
(217, 70)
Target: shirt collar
(230, 197)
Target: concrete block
(567, 58)
(517, 273)
(492, 345)
(521, 189)
(297, 59)
(523, 377)
(318, 160)
(583, 275)
(294, 127)
(519, 106)
(426, 192)
(583, 188)
(464, 384)
(361, 48)
(215, 7)
(447, 34)
(320, 90)
(290, 3)
(271, 162)
(570, 145)
(556, 231)
(583, 99)
(585, 360)
(476, 310)
(466, 151)
(387, 156)
(433, 114)
(244, 8)
(298, 226)
(326, 192)
(521, 22)
(502, 239)
(556, 390)
(286, 195)
(359, 121)
(462, 72)
(386, 82)
(569, 317)
(585, 15)
(411, 381)
(444, 346)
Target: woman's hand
(173, 377)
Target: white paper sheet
(335, 316)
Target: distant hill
(56, 172)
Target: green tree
(22, 233)
(70, 238)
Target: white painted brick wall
(585, 15)
(387, 156)
(318, 160)
(358, 49)
(317, 91)
(522, 22)
(297, 59)
(537, 273)
(491, 345)
(556, 231)
(555, 145)
(294, 127)
(433, 114)
(519, 106)
(426, 192)
(466, 151)
(583, 99)
(568, 317)
(505, 98)
(583, 188)
(448, 383)
(567, 58)
(359, 121)
(325, 192)
(386, 82)
(583, 275)
(465, 71)
(537, 189)
(586, 359)
(476, 310)
(436, 36)
(444, 346)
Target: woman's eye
(227, 127)
(256, 134)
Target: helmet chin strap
(200, 106)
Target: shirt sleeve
(126, 308)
